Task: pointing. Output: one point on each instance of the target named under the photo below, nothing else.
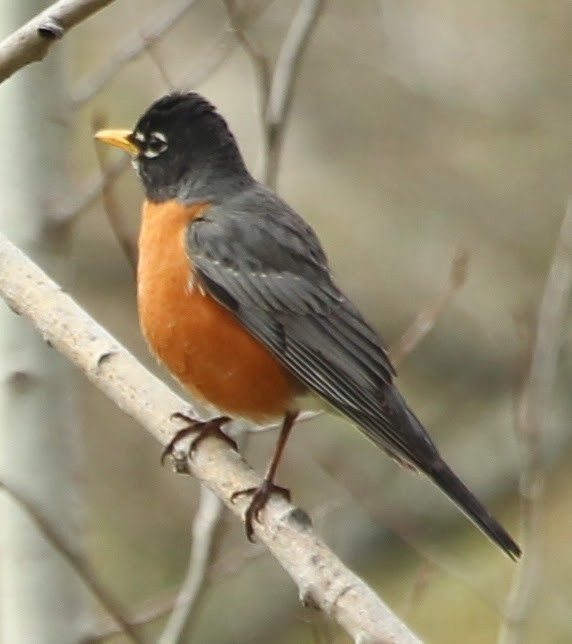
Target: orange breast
(197, 339)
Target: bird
(237, 300)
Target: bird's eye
(155, 143)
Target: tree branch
(322, 579)
(276, 87)
(131, 48)
(74, 559)
(205, 522)
(432, 311)
(531, 424)
(282, 86)
(31, 42)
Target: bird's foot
(202, 429)
(260, 496)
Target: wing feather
(265, 264)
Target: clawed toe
(202, 429)
(260, 496)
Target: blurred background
(416, 130)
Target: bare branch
(133, 46)
(31, 42)
(146, 613)
(531, 424)
(428, 316)
(114, 213)
(205, 523)
(260, 62)
(276, 87)
(282, 86)
(91, 191)
(219, 49)
(322, 579)
(75, 560)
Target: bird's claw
(202, 429)
(260, 496)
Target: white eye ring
(153, 144)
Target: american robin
(236, 299)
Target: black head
(185, 151)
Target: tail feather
(402, 435)
(444, 477)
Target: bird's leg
(202, 429)
(262, 493)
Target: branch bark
(322, 579)
(32, 41)
(75, 559)
(533, 418)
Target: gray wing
(260, 260)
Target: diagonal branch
(322, 579)
(432, 311)
(205, 523)
(282, 86)
(74, 559)
(32, 41)
(115, 214)
(276, 87)
(531, 424)
(132, 47)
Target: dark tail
(401, 434)
(444, 477)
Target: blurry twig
(148, 612)
(114, 213)
(161, 68)
(282, 86)
(205, 523)
(230, 563)
(31, 42)
(531, 425)
(206, 65)
(92, 190)
(276, 87)
(220, 48)
(425, 575)
(260, 62)
(75, 560)
(132, 47)
(428, 316)
(364, 493)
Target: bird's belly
(211, 354)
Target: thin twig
(32, 41)
(91, 191)
(261, 66)
(230, 563)
(132, 47)
(153, 54)
(260, 62)
(75, 560)
(115, 214)
(282, 86)
(275, 87)
(532, 424)
(206, 520)
(428, 316)
(206, 64)
(218, 50)
(322, 579)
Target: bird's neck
(212, 184)
(216, 176)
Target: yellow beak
(118, 138)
